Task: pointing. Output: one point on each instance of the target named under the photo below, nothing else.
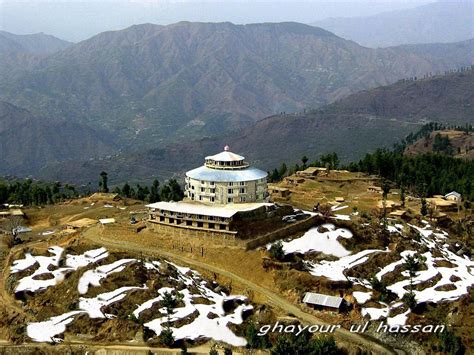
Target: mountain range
(441, 22)
(151, 85)
(150, 91)
(351, 127)
(27, 141)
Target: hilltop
(453, 142)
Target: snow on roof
(225, 211)
(322, 300)
(207, 174)
(225, 156)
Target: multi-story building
(226, 178)
(215, 194)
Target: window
(202, 189)
(222, 226)
(200, 224)
(242, 190)
(212, 183)
(230, 191)
(242, 183)
(212, 225)
(189, 223)
(192, 187)
(231, 184)
(242, 199)
(213, 191)
(229, 199)
(200, 198)
(212, 199)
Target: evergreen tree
(304, 160)
(155, 191)
(424, 207)
(126, 190)
(103, 182)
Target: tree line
(170, 191)
(423, 174)
(28, 192)
(37, 193)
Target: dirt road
(274, 299)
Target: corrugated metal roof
(322, 300)
(225, 211)
(226, 156)
(453, 193)
(207, 174)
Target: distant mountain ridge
(152, 85)
(18, 53)
(438, 22)
(351, 127)
(38, 43)
(28, 142)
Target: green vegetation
(305, 344)
(276, 251)
(103, 182)
(451, 344)
(171, 191)
(255, 341)
(442, 144)
(412, 264)
(29, 193)
(424, 174)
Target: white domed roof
(226, 155)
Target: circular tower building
(226, 178)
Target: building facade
(226, 178)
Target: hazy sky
(76, 20)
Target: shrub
(276, 251)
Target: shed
(104, 221)
(311, 171)
(282, 191)
(103, 196)
(17, 212)
(389, 205)
(398, 213)
(442, 204)
(373, 188)
(320, 301)
(453, 196)
(294, 180)
(81, 223)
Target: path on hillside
(273, 298)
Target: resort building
(226, 178)
(224, 190)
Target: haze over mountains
(352, 127)
(77, 20)
(147, 89)
(152, 84)
(443, 21)
(28, 142)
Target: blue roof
(207, 174)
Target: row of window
(190, 223)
